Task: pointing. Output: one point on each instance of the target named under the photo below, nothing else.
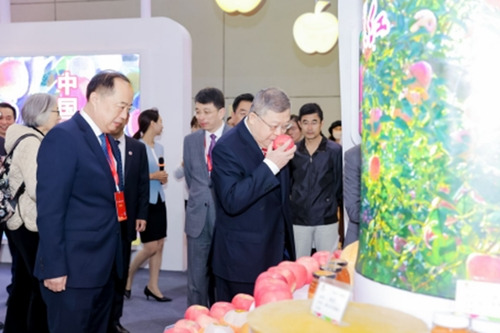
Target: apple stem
(321, 6)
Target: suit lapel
(129, 155)
(93, 143)
(200, 151)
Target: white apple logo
(316, 32)
(242, 6)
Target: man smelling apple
(253, 228)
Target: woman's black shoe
(148, 293)
(127, 293)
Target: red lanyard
(112, 164)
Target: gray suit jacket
(201, 198)
(352, 192)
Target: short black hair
(310, 108)
(243, 97)
(336, 123)
(104, 80)
(9, 106)
(210, 95)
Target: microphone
(161, 163)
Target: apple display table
(294, 316)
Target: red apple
(204, 320)
(322, 257)
(281, 140)
(272, 294)
(311, 266)
(483, 267)
(242, 301)
(189, 325)
(270, 275)
(287, 273)
(194, 311)
(268, 285)
(219, 309)
(298, 270)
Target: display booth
(154, 53)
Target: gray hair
(273, 99)
(36, 110)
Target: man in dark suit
(135, 161)
(352, 192)
(200, 210)
(80, 206)
(253, 228)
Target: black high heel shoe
(148, 293)
(127, 293)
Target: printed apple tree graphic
(431, 176)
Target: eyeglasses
(56, 111)
(274, 128)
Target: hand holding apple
(282, 154)
(281, 140)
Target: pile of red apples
(276, 284)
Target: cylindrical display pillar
(431, 146)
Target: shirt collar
(218, 133)
(97, 131)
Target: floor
(139, 314)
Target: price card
(478, 298)
(330, 300)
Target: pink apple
(219, 309)
(311, 266)
(242, 301)
(189, 325)
(271, 294)
(194, 311)
(270, 275)
(268, 285)
(283, 139)
(204, 320)
(422, 72)
(322, 257)
(287, 273)
(298, 270)
(483, 267)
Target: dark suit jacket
(136, 185)
(352, 192)
(252, 209)
(77, 221)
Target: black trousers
(26, 311)
(226, 290)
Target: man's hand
(140, 225)
(57, 284)
(281, 156)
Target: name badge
(121, 209)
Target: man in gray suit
(352, 192)
(200, 211)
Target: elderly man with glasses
(253, 228)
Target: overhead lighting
(242, 6)
(318, 31)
